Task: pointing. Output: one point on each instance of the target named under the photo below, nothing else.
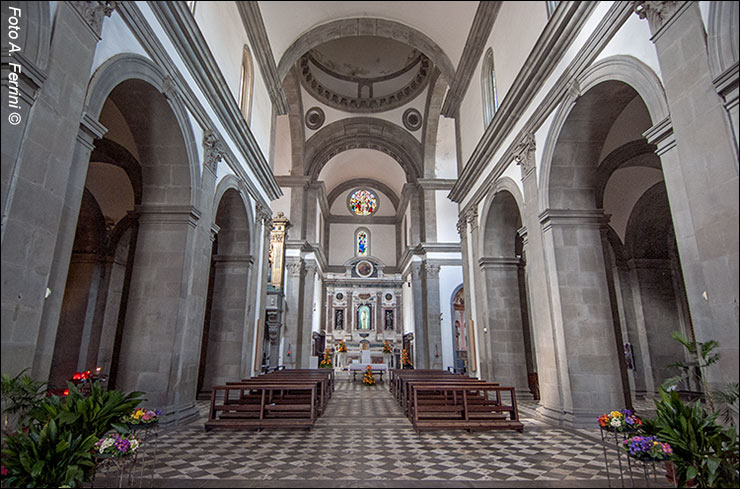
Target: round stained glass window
(362, 202)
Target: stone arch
(362, 182)
(225, 328)
(363, 132)
(617, 159)
(364, 27)
(722, 36)
(144, 76)
(433, 111)
(503, 184)
(232, 182)
(625, 69)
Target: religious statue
(364, 320)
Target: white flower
(615, 423)
(134, 444)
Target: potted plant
(141, 418)
(326, 361)
(387, 351)
(341, 352)
(623, 421)
(405, 360)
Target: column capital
(462, 227)
(212, 150)
(661, 135)
(656, 12)
(93, 13)
(471, 215)
(294, 267)
(524, 153)
(432, 270)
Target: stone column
(293, 303)
(434, 327)
(416, 215)
(225, 350)
(508, 356)
(303, 339)
(582, 312)
(44, 193)
(701, 177)
(258, 289)
(420, 320)
(547, 340)
(462, 230)
(478, 297)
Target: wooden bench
(259, 405)
(472, 407)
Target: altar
(375, 368)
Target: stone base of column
(179, 415)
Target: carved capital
(524, 153)
(212, 149)
(94, 13)
(657, 13)
(294, 268)
(462, 226)
(432, 270)
(472, 217)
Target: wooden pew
(472, 408)
(258, 405)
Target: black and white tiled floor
(364, 440)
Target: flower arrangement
(387, 347)
(368, 378)
(117, 445)
(623, 420)
(405, 360)
(140, 416)
(326, 361)
(647, 448)
(342, 348)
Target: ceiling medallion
(315, 118)
(412, 119)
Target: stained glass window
(362, 246)
(363, 202)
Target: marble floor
(363, 440)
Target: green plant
(48, 456)
(704, 451)
(94, 414)
(20, 394)
(703, 356)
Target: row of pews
(439, 400)
(279, 399)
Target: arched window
(488, 85)
(245, 85)
(362, 242)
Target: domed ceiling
(364, 73)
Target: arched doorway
(225, 340)
(506, 332)
(459, 332)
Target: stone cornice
(492, 140)
(552, 44)
(293, 180)
(184, 33)
(255, 27)
(436, 183)
(480, 30)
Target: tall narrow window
(245, 85)
(488, 86)
(191, 6)
(362, 242)
(551, 6)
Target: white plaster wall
(382, 242)
(447, 215)
(224, 32)
(283, 156)
(445, 163)
(516, 30)
(283, 203)
(394, 116)
(115, 38)
(408, 308)
(385, 206)
(633, 39)
(449, 279)
(570, 54)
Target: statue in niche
(389, 319)
(339, 319)
(363, 317)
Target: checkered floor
(363, 440)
